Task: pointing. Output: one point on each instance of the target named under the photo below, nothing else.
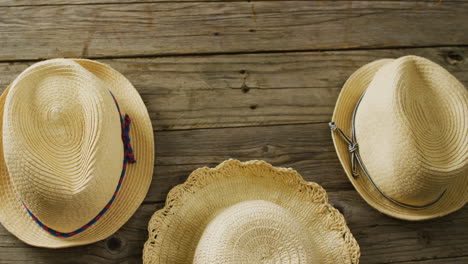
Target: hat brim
(456, 195)
(175, 230)
(138, 177)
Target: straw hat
(407, 153)
(66, 176)
(248, 213)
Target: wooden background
(245, 80)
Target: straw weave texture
(62, 151)
(411, 127)
(248, 212)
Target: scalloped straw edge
(205, 175)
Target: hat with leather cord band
(409, 116)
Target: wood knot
(424, 238)
(454, 58)
(216, 33)
(115, 244)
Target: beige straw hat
(67, 171)
(248, 213)
(400, 129)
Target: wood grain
(245, 80)
(387, 240)
(125, 246)
(306, 148)
(80, 2)
(250, 89)
(382, 239)
(148, 29)
(456, 260)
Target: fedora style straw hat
(72, 168)
(400, 129)
(248, 213)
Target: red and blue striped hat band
(128, 158)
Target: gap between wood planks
(244, 126)
(202, 54)
(435, 2)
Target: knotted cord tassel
(128, 150)
(352, 148)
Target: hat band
(128, 158)
(356, 161)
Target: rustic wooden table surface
(245, 80)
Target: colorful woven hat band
(128, 158)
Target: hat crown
(62, 143)
(411, 130)
(255, 231)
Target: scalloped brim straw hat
(248, 212)
(400, 129)
(76, 153)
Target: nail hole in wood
(252, 30)
(245, 88)
(216, 33)
(253, 107)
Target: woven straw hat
(248, 213)
(407, 153)
(66, 176)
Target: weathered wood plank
(382, 239)
(456, 260)
(388, 240)
(307, 148)
(80, 2)
(142, 29)
(250, 89)
(125, 246)
(255, 94)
